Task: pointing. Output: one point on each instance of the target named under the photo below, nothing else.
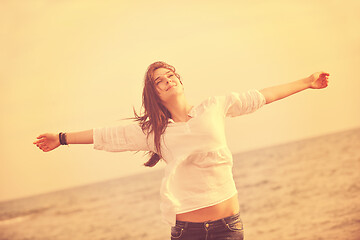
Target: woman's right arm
(49, 141)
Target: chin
(172, 95)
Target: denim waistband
(207, 224)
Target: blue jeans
(229, 228)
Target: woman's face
(167, 84)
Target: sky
(74, 65)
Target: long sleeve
(120, 138)
(237, 104)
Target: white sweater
(199, 163)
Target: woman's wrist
(62, 138)
(307, 82)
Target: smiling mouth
(170, 87)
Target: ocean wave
(14, 220)
(10, 216)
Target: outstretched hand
(319, 80)
(47, 142)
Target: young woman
(198, 194)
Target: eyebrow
(162, 75)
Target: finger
(41, 145)
(44, 145)
(325, 74)
(40, 141)
(41, 136)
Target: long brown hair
(155, 116)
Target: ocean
(308, 189)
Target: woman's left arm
(317, 80)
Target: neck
(179, 108)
